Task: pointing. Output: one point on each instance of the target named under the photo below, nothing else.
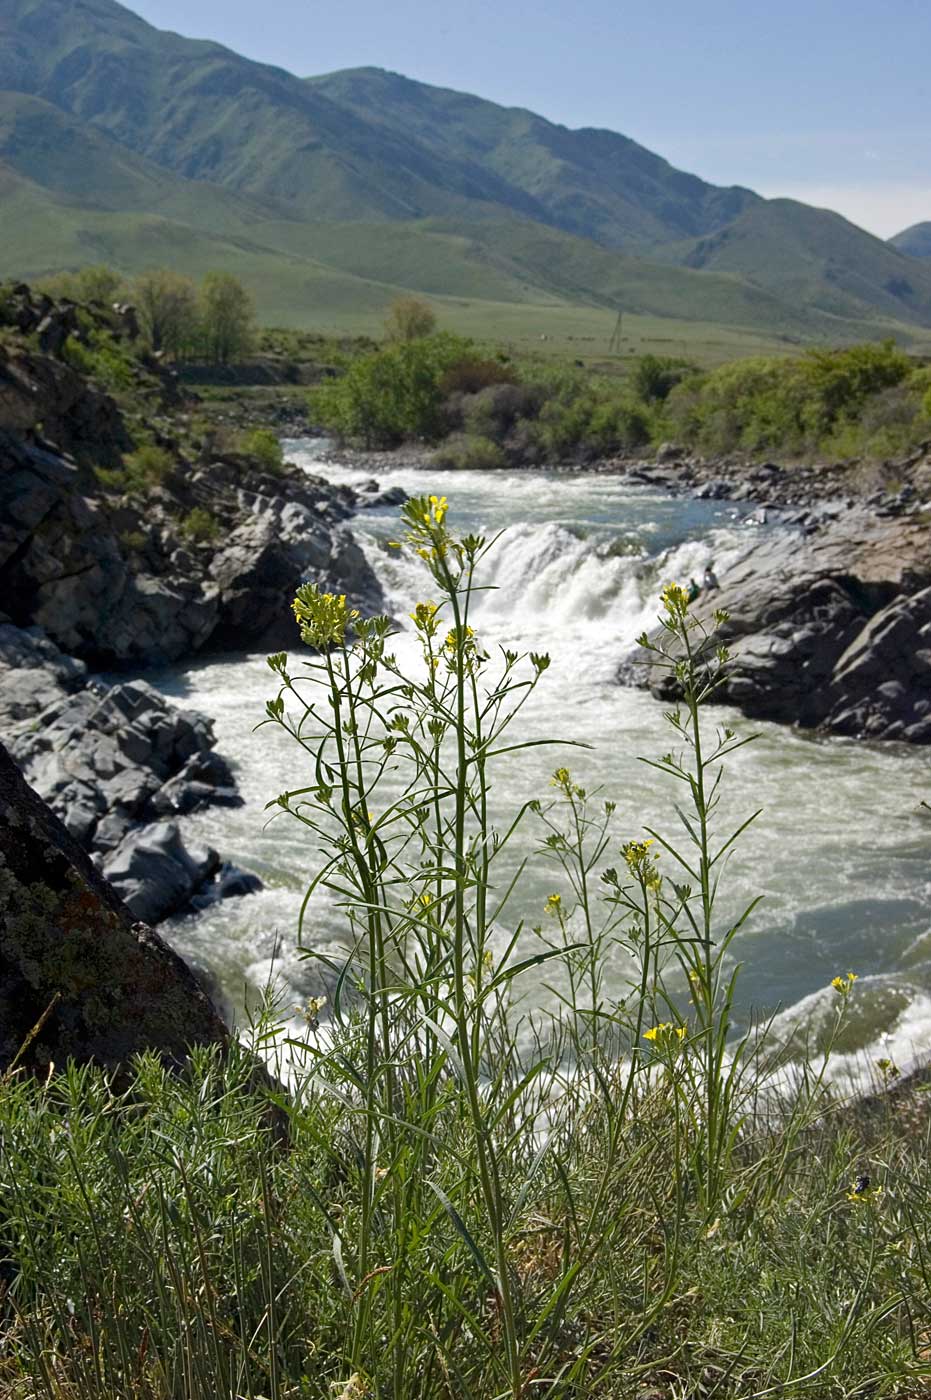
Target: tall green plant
(399, 803)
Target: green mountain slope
(817, 259)
(594, 183)
(140, 214)
(914, 241)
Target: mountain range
(123, 143)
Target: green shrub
(200, 527)
(787, 405)
(395, 394)
(102, 357)
(655, 376)
(133, 541)
(495, 410)
(474, 373)
(470, 454)
(148, 466)
(262, 444)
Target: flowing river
(841, 854)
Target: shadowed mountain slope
(915, 241)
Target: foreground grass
(158, 1240)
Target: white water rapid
(841, 854)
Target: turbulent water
(841, 854)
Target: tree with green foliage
(100, 284)
(227, 318)
(168, 308)
(396, 393)
(409, 318)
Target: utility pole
(614, 344)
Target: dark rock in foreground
(828, 630)
(108, 987)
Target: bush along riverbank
(133, 535)
(618, 1198)
(850, 409)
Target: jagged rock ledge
(828, 630)
(117, 764)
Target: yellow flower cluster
(322, 617)
(424, 618)
(843, 985)
(666, 1031)
(452, 637)
(562, 779)
(675, 599)
(863, 1190)
(641, 862)
(426, 533)
(553, 905)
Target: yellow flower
(863, 1190)
(553, 904)
(665, 1031)
(675, 599)
(843, 985)
(453, 635)
(641, 862)
(438, 509)
(322, 617)
(424, 618)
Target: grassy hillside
(816, 259)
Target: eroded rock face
(829, 630)
(70, 948)
(881, 685)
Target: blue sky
(819, 99)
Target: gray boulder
(112, 759)
(156, 874)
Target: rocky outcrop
(114, 762)
(146, 564)
(65, 565)
(881, 684)
(116, 581)
(828, 630)
(43, 397)
(72, 960)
